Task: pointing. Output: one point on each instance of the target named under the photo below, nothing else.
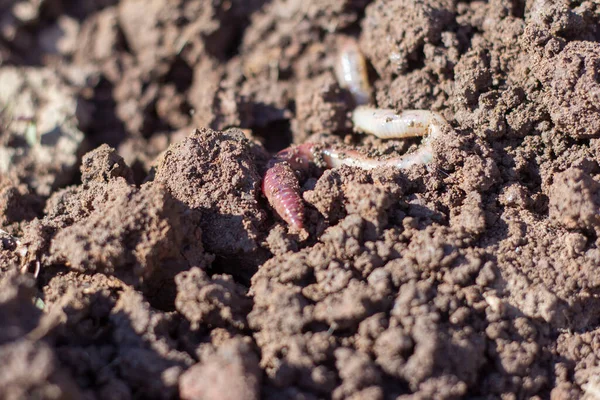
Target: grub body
(386, 123)
(351, 71)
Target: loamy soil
(139, 259)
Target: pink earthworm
(280, 184)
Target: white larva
(351, 72)
(388, 124)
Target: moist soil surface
(139, 258)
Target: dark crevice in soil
(239, 268)
(277, 135)
(181, 75)
(106, 127)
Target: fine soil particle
(160, 271)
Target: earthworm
(280, 184)
(351, 72)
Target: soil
(139, 259)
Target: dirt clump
(216, 301)
(143, 235)
(321, 106)
(140, 223)
(131, 349)
(17, 203)
(205, 169)
(420, 24)
(228, 372)
(574, 200)
(30, 367)
(573, 88)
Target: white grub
(351, 71)
(388, 124)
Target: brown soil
(163, 272)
